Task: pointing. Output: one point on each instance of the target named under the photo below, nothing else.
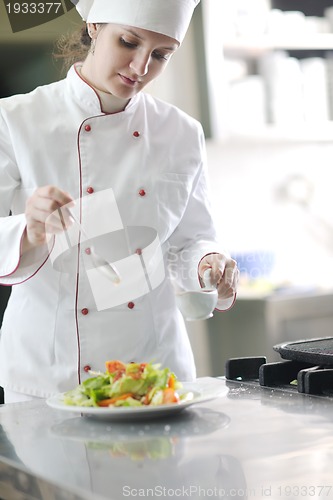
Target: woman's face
(126, 59)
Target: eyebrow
(172, 48)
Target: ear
(92, 30)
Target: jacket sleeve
(196, 234)
(13, 268)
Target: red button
(142, 192)
(90, 190)
(84, 311)
(88, 251)
(130, 305)
(138, 251)
(87, 128)
(87, 368)
(136, 133)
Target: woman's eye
(160, 56)
(127, 44)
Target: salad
(126, 384)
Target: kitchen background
(258, 74)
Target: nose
(140, 64)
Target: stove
(307, 367)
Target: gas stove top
(307, 367)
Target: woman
(131, 170)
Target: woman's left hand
(224, 274)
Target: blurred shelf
(291, 132)
(257, 45)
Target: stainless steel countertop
(252, 443)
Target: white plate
(203, 389)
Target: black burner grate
(306, 378)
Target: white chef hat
(169, 17)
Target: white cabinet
(267, 67)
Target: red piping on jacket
(78, 254)
(79, 75)
(79, 244)
(18, 265)
(78, 263)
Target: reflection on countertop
(235, 446)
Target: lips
(129, 81)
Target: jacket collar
(85, 94)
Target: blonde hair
(73, 47)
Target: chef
(91, 165)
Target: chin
(125, 92)
(126, 95)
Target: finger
(236, 278)
(224, 271)
(43, 204)
(218, 272)
(230, 272)
(55, 194)
(225, 290)
(58, 221)
(215, 262)
(227, 286)
(37, 218)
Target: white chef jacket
(152, 155)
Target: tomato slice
(112, 401)
(171, 381)
(170, 396)
(115, 366)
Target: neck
(109, 102)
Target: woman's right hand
(45, 201)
